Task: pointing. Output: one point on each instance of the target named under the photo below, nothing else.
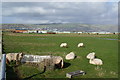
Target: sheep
(96, 62)
(58, 60)
(64, 45)
(93, 60)
(91, 55)
(13, 57)
(70, 56)
(80, 45)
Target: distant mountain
(64, 27)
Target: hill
(64, 27)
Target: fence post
(3, 67)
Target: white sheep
(13, 57)
(96, 62)
(91, 55)
(80, 45)
(58, 60)
(63, 45)
(70, 56)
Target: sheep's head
(91, 61)
(93, 53)
(58, 61)
(20, 56)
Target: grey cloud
(94, 12)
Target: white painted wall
(42, 31)
(32, 31)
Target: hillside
(63, 27)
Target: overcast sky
(60, 12)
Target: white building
(25, 32)
(42, 31)
(94, 32)
(104, 32)
(99, 32)
(32, 31)
(66, 32)
(80, 32)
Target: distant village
(55, 29)
(58, 32)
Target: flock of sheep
(93, 60)
(66, 45)
(91, 56)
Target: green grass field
(46, 44)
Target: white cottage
(42, 31)
(32, 31)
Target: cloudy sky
(60, 12)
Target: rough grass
(39, 44)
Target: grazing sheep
(70, 56)
(80, 45)
(13, 57)
(58, 61)
(64, 45)
(96, 62)
(91, 55)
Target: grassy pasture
(45, 44)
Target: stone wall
(34, 58)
